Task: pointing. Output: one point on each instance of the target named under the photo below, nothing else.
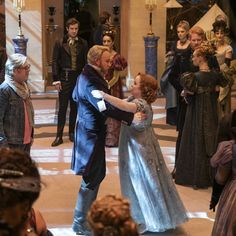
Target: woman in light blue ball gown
(144, 177)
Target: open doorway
(86, 12)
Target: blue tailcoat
(88, 157)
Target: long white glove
(98, 94)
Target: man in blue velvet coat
(88, 158)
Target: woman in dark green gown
(198, 141)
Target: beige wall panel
(134, 26)
(58, 17)
(32, 29)
(50, 35)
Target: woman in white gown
(144, 177)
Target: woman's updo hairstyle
(206, 49)
(109, 33)
(220, 25)
(183, 24)
(110, 216)
(148, 87)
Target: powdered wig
(14, 61)
(110, 216)
(95, 53)
(148, 87)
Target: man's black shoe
(71, 137)
(57, 142)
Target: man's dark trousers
(65, 97)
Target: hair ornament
(15, 180)
(6, 172)
(110, 32)
(24, 184)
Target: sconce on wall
(51, 27)
(116, 12)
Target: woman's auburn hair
(148, 87)
(205, 49)
(110, 216)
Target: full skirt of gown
(146, 181)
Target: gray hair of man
(15, 60)
(95, 53)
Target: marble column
(151, 42)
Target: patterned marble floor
(60, 189)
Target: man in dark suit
(88, 158)
(69, 57)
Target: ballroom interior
(41, 24)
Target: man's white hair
(95, 53)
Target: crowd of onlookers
(197, 84)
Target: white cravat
(71, 41)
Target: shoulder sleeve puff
(188, 81)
